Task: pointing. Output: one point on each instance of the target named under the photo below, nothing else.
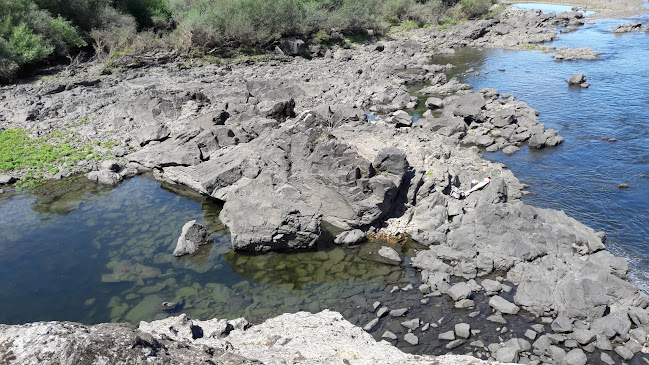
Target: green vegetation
(35, 31)
(37, 156)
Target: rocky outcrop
(628, 27)
(574, 54)
(578, 80)
(325, 337)
(193, 236)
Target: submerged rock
(349, 238)
(193, 236)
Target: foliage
(19, 152)
(29, 35)
(475, 8)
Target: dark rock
(270, 224)
(578, 80)
(193, 235)
(292, 46)
(391, 160)
(628, 27)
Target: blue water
(547, 8)
(582, 176)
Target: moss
(36, 156)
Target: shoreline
(452, 165)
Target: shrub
(475, 8)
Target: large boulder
(193, 236)
(105, 177)
(270, 224)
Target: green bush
(30, 35)
(475, 8)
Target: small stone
(6, 179)
(496, 318)
(624, 352)
(463, 330)
(464, 304)
(447, 336)
(376, 304)
(603, 343)
(474, 314)
(350, 238)
(639, 335)
(606, 358)
(574, 357)
(425, 327)
(561, 324)
(411, 339)
(459, 291)
(507, 354)
(503, 305)
(455, 343)
(424, 288)
(390, 335)
(502, 70)
(412, 324)
(383, 311)
(476, 344)
(371, 324)
(530, 334)
(407, 287)
(510, 150)
(389, 253)
(623, 186)
(398, 312)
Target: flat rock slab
(503, 305)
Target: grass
(38, 156)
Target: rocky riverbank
(322, 338)
(290, 143)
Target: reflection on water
(581, 176)
(76, 251)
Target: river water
(582, 175)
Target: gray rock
(152, 132)
(383, 311)
(391, 160)
(503, 305)
(537, 140)
(639, 334)
(270, 224)
(389, 335)
(628, 27)
(530, 334)
(634, 346)
(400, 119)
(434, 103)
(574, 357)
(583, 336)
(497, 318)
(389, 253)
(7, 179)
(371, 324)
(603, 343)
(111, 165)
(398, 312)
(463, 330)
(624, 352)
(611, 325)
(292, 46)
(510, 150)
(507, 354)
(455, 343)
(193, 236)
(105, 177)
(412, 324)
(606, 358)
(561, 324)
(411, 339)
(350, 238)
(459, 291)
(447, 336)
(577, 79)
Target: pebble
(463, 330)
(623, 186)
(455, 343)
(376, 304)
(412, 324)
(371, 324)
(398, 312)
(411, 339)
(390, 335)
(382, 312)
(530, 334)
(447, 336)
(425, 327)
